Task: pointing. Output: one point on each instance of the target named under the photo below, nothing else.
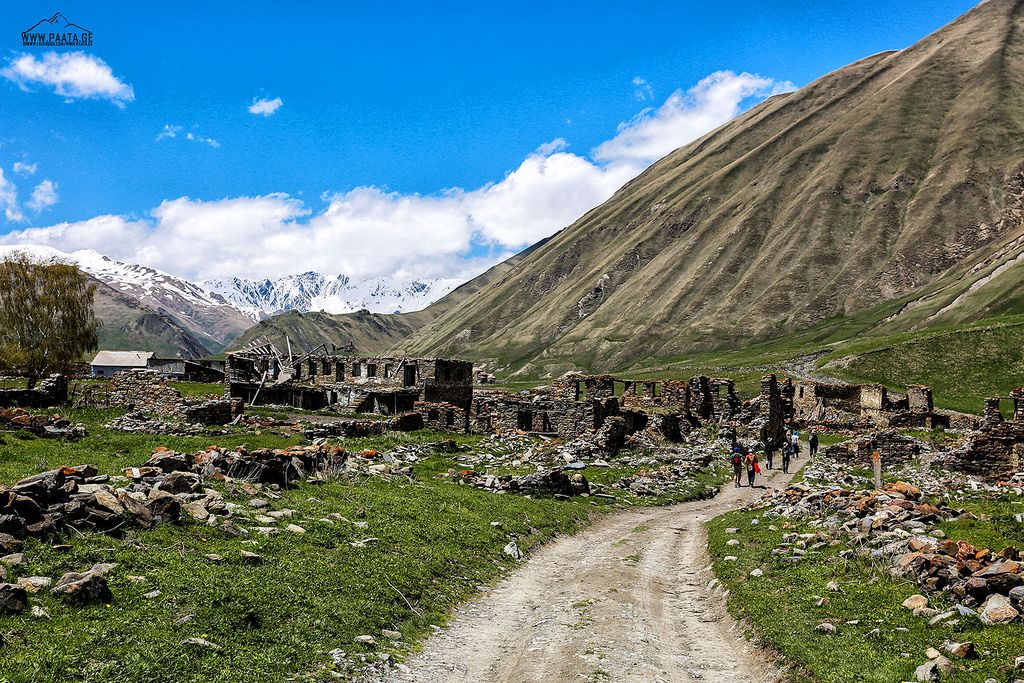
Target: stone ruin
(605, 409)
(51, 392)
(839, 405)
(388, 385)
(996, 450)
(145, 391)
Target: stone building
(996, 450)
(387, 385)
(847, 405)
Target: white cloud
(72, 75)
(25, 168)
(684, 117)
(264, 106)
(43, 196)
(369, 231)
(9, 200)
(643, 91)
(198, 138)
(170, 132)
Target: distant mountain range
(148, 309)
(312, 291)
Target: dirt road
(626, 600)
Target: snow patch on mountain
(142, 282)
(313, 291)
(255, 299)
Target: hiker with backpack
(753, 468)
(795, 439)
(769, 454)
(787, 453)
(812, 442)
(737, 465)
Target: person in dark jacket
(787, 453)
(812, 441)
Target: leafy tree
(46, 316)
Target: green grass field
(781, 606)
(314, 592)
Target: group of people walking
(747, 459)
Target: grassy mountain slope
(899, 174)
(128, 325)
(370, 333)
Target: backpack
(736, 458)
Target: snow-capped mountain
(154, 304)
(329, 293)
(207, 316)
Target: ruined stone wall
(49, 393)
(919, 399)
(893, 447)
(676, 392)
(147, 392)
(567, 387)
(443, 417)
(996, 451)
(776, 409)
(702, 402)
(815, 402)
(505, 413)
(873, 397)
(599, 386)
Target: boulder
(164, 507)
(85, 588)
(915, 602)
(13, 598)
(998, 610)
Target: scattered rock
(250, 558)
(915, 602)
(512, 550)
(34, 584)
(963, 650)
(998, 610)
(85, 588)
(826, 628)
(14, 560)
(201, 643)
(928, 671)
(13, 598)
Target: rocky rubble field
(835, 514)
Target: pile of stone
(79, 498)
(345, 429)
(975, 578)
(664, 480)
(281, 467)
(139, 423)
(556, 482)
(898, 448)
(77, 588)
(47, 426)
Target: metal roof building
(106, 363)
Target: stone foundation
(146, 391)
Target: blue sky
(398, 124)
